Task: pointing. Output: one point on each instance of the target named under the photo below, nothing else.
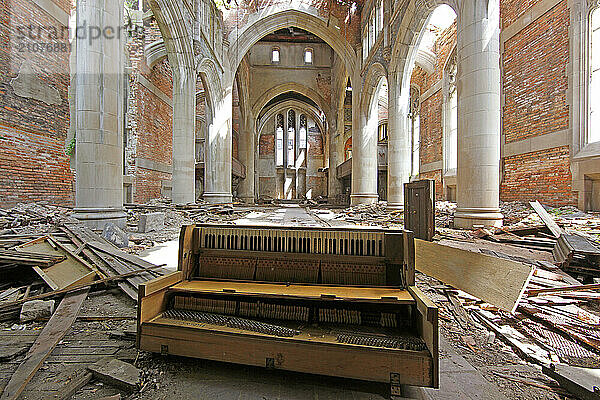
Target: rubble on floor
(556, 323)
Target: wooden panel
(419, 208)
(149, 307)
(64, 274)
(391, 295)
(495, 280)
(547, 218)
(186, 251)
(428, 328)
(157, 284)
(347, 361)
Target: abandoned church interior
(303, 199)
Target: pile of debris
(376, 214)
(58, 255)
(555, 322)
(575, 245)
(49, 263)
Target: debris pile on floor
(556, 322)
(376, 214)
(49, 263)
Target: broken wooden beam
(54, 293)
(562, 289)
(53, 332)
(495, 280)
(582, 382)
(547, 219)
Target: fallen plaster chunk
(36, 310)
(117, 373)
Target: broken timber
(497, 281)
(53, 332)
(547, 219)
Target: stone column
(335, 156)
(99, 115)
(364, 148)
(399, 143)
(478, 173)
(246, 151)
(184, 135)
(217, 171)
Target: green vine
(70, 150)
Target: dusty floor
(467, 371)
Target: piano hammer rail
(338, 302)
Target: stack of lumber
(45, 254)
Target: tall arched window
(303, 127)
(414, 121)
(594, 78)
(291, 138)
(451, 117)
(279, 140)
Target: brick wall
(437, 177)
(148, 184)
(431, 129)
(33, 167)
(535, 85)
(266, 145)
(511, 10)
(33, 123)
(535, 80)
(150, 135)
(543, 175)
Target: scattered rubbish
(115, 235)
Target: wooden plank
(547, 219)
(582, 382)
(428, 328)
(70, 272)
(561, 289)
(161, 283)
(531, 352)
(497, 281)
(349, 293)
(130, 258)
(71, 289)
(53, 332)
(125, 286)
(78, 380)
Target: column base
(395, 206)
(218, 198)
(97, 218)
(467, 218)
(364, 198)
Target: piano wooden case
(338, 302)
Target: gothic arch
(281, 16)
(290, 87)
